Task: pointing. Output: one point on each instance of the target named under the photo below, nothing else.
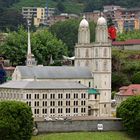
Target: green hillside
(71, 6)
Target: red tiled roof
(131, 90)
(127, 42)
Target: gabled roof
(54, 72)
(42, 85)
(133, 89)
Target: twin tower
(97, 57)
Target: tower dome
(84, 32)
(84, 23)
(101, 21)
(101, 30)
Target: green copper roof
(93, 91)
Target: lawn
(84, 136)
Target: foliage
(43, 44)
(136, 78)
(128, 35)
(71, 6)
(16, 121)
(69, 29)
(124, 65)
(60, 7)
(84, 136)
(118, 80)
(130, 114)
(46, 45)
(11, 19)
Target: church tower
(30, 61)
(83, 53)
(102, 67)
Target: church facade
(81, 90)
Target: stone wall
(78, 125)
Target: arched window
(96, 52)
(96, 65)
(105, 52)
(105, 65)
(87, 53)
(78, 52)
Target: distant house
(131, 44)
(127, 91)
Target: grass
(84, 136)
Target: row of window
(59, 103)
(60, 110)
(54, 96)
(11, 95)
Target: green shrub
(16, 121)
(129, 111)
(136, 78)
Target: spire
(30, 57)
(29, 41)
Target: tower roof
(84, 22)
(101, 21)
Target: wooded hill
(70, 6)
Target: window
(68, 96)
(75, 103)
(36, 111)
(83, 95)
(75, 110)
(83, 110)
(95, 96)
(36, 96)
(52, 103)
(96, 52)
(67, 103)
(29, 103)
(67, 110)
(28, 96)
(52, 96)
(87, 53)
(78, 52)
(60, 103)
(105, 65)
(52, 110)
(44, 103)
(96, 63)
(44, 96)
(60, 110)
(60, 96)
(83, 102)
(44, 111)
(75, 95)
(105, 52)
(89, 84)
(36, 103)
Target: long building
(81, 90)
